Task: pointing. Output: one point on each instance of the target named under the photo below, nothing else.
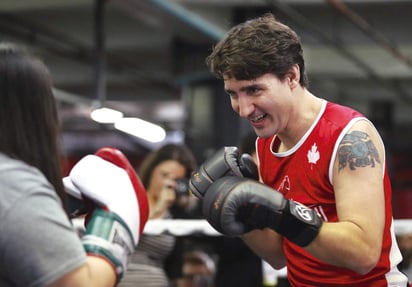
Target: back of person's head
(178, 152)
(29, 125)
(198, 269)
(257, 47)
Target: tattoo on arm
(357, 150)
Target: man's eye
(253, 90)
(231, 94)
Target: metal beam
(289, 2)
(190, 18)
(308, 25)
(24, 5)
(369, 31)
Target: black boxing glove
(234, 206)
(225, 162)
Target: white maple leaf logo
(313, 154)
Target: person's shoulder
(17, 179)
(340, 114)
(335, 108)
(15, 169)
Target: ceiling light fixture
(105, 115)
(141, 129)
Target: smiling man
(324, 207)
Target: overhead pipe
(190, 18)
(43, 37)
(100, 52)
(62, 45)
(67, 97)
(100, 112)
(317, 32)
(368, 30)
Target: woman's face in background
(163, 174)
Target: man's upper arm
(358, 179)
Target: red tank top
(304, 174)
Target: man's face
(266, 102)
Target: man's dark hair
(257, 47)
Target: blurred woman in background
(162, 172)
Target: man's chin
(262, 133)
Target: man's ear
(293, 76)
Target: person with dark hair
(167, 191)
(198, 270)
(158, 258)
(38, 244)
(323, 206)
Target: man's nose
(245, 107)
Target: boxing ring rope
(185, 227)
(180, 227)
(403, 226)
(200, 227)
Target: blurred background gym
(145, 58)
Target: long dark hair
(29, 124)
(180, 153)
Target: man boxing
(324, 209)
(235, 205)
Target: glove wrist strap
(299, 224)
(108, 236)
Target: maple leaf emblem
(313, 154)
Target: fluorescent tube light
(106, 115)
(141, 129)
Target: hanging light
(141, 129)
(106, 115)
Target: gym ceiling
(142, 56)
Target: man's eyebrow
(251, 86)
(245, 88)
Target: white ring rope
(184, 227)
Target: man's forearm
(267, 244)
